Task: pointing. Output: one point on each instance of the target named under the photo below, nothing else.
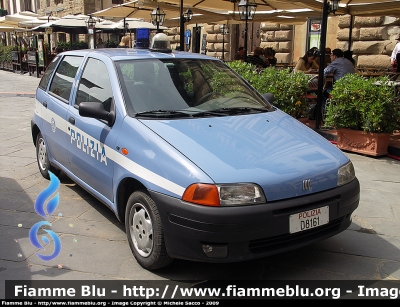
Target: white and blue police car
(195, 162)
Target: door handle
(72, 120)
(45, 104)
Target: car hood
(271, 149)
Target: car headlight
(346, 174)
(224, 194)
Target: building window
(117, 1)
(314, 33)
(62, 37)
(48, 3)
(28, 5)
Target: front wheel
(145, 232)
(43, 159)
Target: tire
(43, 159)
(145, 232)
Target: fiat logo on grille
(306, 184)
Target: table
(395, 84)
(369, 74)
(393, 76)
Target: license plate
(308, 219)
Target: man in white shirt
(395, 51)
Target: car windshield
(177, 88)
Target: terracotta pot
(304, 120)
(372, 144)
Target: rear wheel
(145, 232)
(43, 159)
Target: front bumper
(250, 232)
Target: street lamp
(224, 30)
(329, 7)
(247, 9)
(90, 23)
(184, 17)
(157, 18)
(334, 5)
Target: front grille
(288, 240)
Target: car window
(47, 74)
(186, 85)
(64, 76)
(95, 85)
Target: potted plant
(5, 57)
(288, 88)
(364, 113)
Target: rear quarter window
(47, 74)
(63, 79)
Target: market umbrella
(137, 23)
(38, 21)
(293, 8)
(4, 28)
(131, 23)
(72, 24)
(21, 16)
(142, 9)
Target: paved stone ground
(94, 246)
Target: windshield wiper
(240, 110)
(210, 113)
(163, 113)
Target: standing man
(100, 44)
(188, 34)
(396, 50)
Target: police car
(195, 162)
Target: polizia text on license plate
(308, 219)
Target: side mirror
(96, 110)
(269, 97)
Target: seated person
(256, 60)
(337, 68)
(239, 54)
(348, 54)
(270, 54)
(328, 52)
(307, 63)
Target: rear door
(56, 104)
(92, 139)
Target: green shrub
(75, 45)
(5, 54)
(288, 88)
(111, 44)
(246, 70)
(364, 104)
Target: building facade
(372, 39)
